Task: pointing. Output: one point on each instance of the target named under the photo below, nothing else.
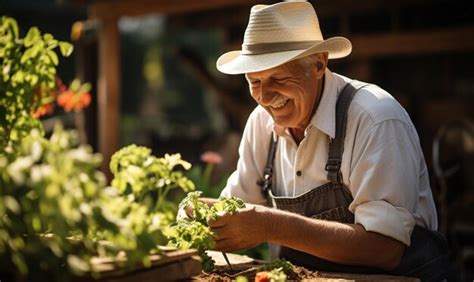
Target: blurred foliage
(55, 209)
(56, 213)
(28, 76)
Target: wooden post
(108, 90)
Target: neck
(298, 132)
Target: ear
(321, 62)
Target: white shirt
(382, 165)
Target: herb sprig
(194, 232)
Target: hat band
(263, 48)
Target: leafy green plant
(47, 205)
(194, 232)
(55, 209)
(277, 267)
(28, 76)
(56, 213)
(274, 275)
(147, 180)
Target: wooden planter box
(172, 265)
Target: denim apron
(426, 258)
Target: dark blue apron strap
(336, 145)
(266, 182)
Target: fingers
(224, 245)
(222, 219)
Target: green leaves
(194, 232)
(48, 185)
(279, 267)
(32, 36)
(66, 48)
(146, 178)
(28, 73)
(53, 185)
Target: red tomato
(262, 277)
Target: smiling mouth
(280, 102)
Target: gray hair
(305, 63)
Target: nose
(267, 94)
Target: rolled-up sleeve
(384, 179)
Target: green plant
(47, 204)
(56, 213)
(55, 209)
(28, 77)
(274, 275)
(194, 232)
(277, 267)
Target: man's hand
(241, 230)
(338, 242)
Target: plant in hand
(194, 232)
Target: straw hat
(277, 34)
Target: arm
(342, 243)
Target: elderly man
(332, 166)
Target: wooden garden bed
(246, 266)
(171, 265)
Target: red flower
(69, 100)
(211, 157)
(43, 110)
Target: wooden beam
(336, 8)
(117, 8)
(108, 90)
(413, 43)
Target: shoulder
(377, 105)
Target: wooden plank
(344, 7)
(112, 265)
(108, 91)
(100, 9)
(172, 264)
(459, 39)
(179, 270)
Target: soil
(225, 274)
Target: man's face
(289, 92)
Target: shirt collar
(325, 117)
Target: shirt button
(298, 173)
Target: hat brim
(236, 63)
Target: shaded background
(170, 97)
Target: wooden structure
(108, 13)
(172, 265)
(393, 41)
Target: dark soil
(225, 274)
